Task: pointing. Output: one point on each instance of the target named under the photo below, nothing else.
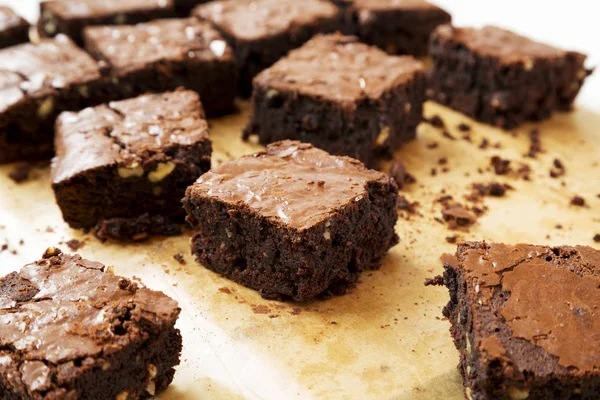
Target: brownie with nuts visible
(123, 167)
(343, 96)
(14, 29)
(37, 82)
(292, 221)
(398, 27)
(166, 54)
(71, 329)
(70, 17)
(526, 320)
(501, 78)
(263, 31)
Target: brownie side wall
(13, 36)
(502, 95)
(357, 132)
(282, 262)
(92, 196)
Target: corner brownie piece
(70, 17)
(263, 31)
(37, 82)
(398, 27)
(501, 78)
(70, 329)
(342, 96)
(526, 320)
(123, 167)
(166, 54)
(292, 221)
(13, 28)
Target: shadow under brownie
(292, 221)
(124, 167)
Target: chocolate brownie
(263, 31)
(501, 78)
(340, 95)
(164, 55)
(70, 17)
(526, 320)
(13, 28)
(292, 221)
(37, 82)
(71, 329)
(123, 167)
(398, 27)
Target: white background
(570, 24)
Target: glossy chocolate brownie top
(501, 43)
(123, 132)
(9, 19)
(82, 9)
(385, 5)
(64, 308)
(42, 69)
(339, 68)
(251, 20)
(553, 301)
(129, 47)
(291, 182)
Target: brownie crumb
(484, 144)
(448, 135)
(452, 239)
(408, 206)
(525, 172)
(20, 173)
(443, 161)
(597, 238)
(437, 121)
(578, 201)
(558, 226)
(179, 258)
(493, 189)
(457, 216)
(400, 175)
(464, 127)
(432, 145)
(435, 281)
(558, 169)
(75, 244)
(535, 144)
(501, 167)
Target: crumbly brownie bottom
(139, 228)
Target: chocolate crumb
(435, 281)
(558, 169)
(535, 144)
(558, 226)
(493, 189)
(457, 216)
(405, 205)
(484, 144)
(464, 127)
(437, 121)
(501, 167)
(578, 201)
(179, 258)
(20, 173)
(443, 161)
(433, 145)
(448, 135)
(597, 238)
(75, 244)
(400, 175)
(452, 239)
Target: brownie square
(123, 167)
(164, 55)
(398, 27)
(292, 221)
(342, 96)
(70, 329)
(501, 78)
(526, 320)
(263, 31)
(37, 82)
(70, 17)
(13, 28)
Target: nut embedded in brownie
(343, 96)
(501, 78)
(263, 31)
(70, 17)
(164, 55)
(292, 221)
(123, 167)
(398, 27)
(37, 82)
(526, 321)
(13, 28)
(70, 329)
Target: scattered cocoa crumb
(433, 145)
(448, 135)
(467, 137)
(445, 169)
(535, 143)
(484, 144)
(433, 172)
(225, 290)
(501, 167)
(464, 127)
(405, 205)
(179, 258)
(262, 309)
(558, 226)
(435, 281)
(296, 311)
(578, 201)
(452, 239)
(49, 229)
(75, 244)
(443, 161)
(400, 175)
(437, 121)
(20, 173)
(597, 238)
(525, 172)
(457, 216)
(558, 169)
(492, 189)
